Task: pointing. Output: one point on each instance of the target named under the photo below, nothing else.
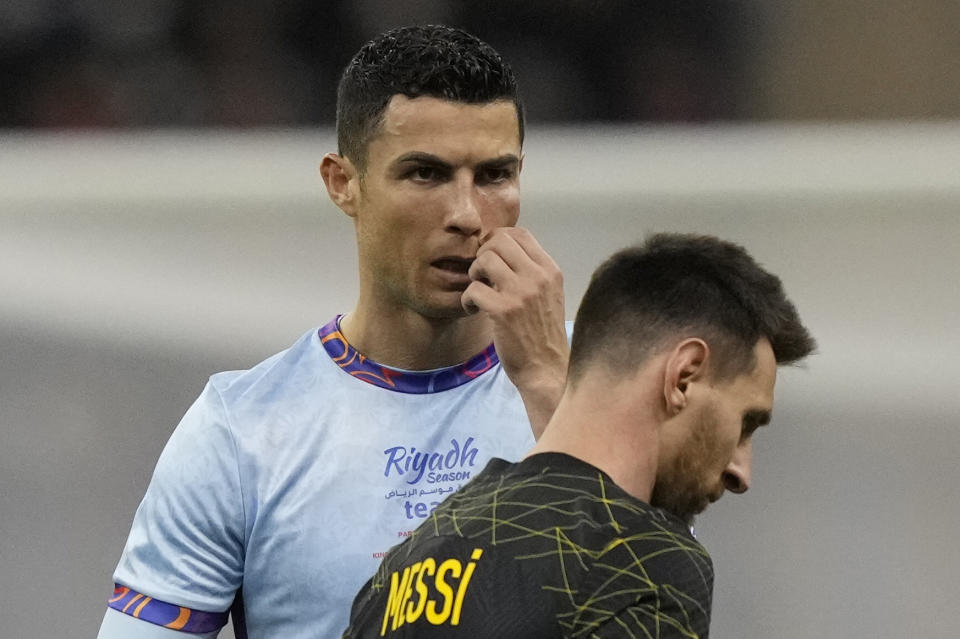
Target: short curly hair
(429, 60)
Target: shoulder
(609, 528)
(297, 360)
(233, 402)
(654, 553)
(652, 573)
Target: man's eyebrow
(420, 157)
(502, 161)
(757, 417)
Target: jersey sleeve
(117, 625)
(186, 546)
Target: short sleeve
(186, 545)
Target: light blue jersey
(292, 479)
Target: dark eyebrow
(500, 162)
(419, 157)
(756, 418)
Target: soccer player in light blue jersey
(284, 484)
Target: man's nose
(736, 476)
(464, 216)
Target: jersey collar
(402, 381)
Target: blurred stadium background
(161, 219)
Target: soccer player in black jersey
(672, 368)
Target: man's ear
(687, 363)
(342, 181)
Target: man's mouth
(458, 265)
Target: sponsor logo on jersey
(428, 475)
(446, 465)
(430, 590)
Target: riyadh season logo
(448, 465)
(428, 468)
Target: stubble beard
(434, 309)
(419, 297)
(681, 487)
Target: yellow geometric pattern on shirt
(498, 514)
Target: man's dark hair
(434, 61)
(677, 286)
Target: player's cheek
(504, 204)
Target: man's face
(440, 175)
(713, 452)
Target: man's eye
(492, 176)
(425, 173)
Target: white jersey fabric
(292, 479)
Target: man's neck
(402, 338)
(618, 434)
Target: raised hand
(521, 288)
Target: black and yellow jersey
(548, 547)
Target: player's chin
(690, 507)
(443, 305)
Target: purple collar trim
(416, 382)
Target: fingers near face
(490, 268)
(508, 239)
